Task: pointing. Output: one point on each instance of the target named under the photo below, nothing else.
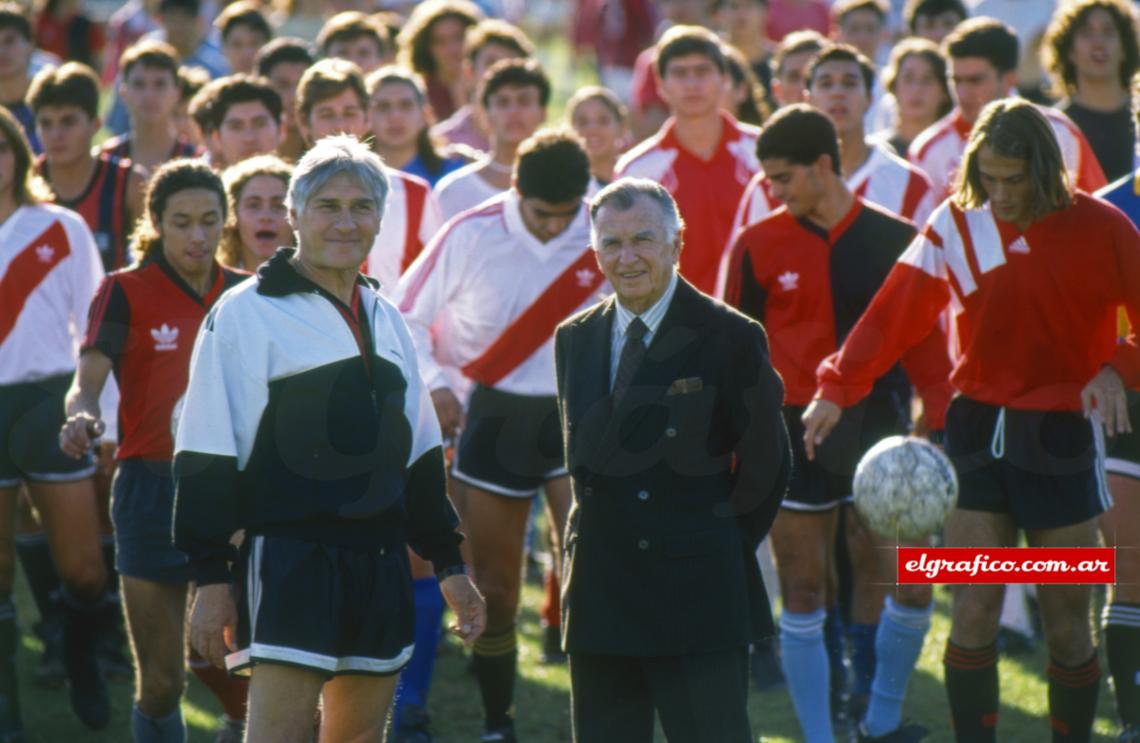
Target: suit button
(643, 544)
(671, 432)
(643, 495)
(587, 491)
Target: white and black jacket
(287, 430)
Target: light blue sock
(146, 729)
(898, 644)
(804, 660)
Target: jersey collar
(277, 277)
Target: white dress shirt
(651, 317)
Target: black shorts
(511, 444)
(142, 510)
(825, 482)
(1043, 468)
(327, 609)
(1122, 451)
(31, 415)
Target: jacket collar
(278, 278)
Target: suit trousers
(700, 697)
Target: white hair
(336, 155)
(623, 193)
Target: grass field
(543, 696)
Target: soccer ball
(904, 486)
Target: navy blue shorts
(826, 482)
(331, 610)
(511, 444)
(1043, 468)
(31, 415)
(1123, 450)
(142, 510)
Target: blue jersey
(416, 167)
(1124, 194)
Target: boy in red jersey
(1033, 274)
(142, 326)
(702, 155)
(105, 192)
(807, 271)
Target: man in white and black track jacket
(306, 424)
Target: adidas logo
(789, 280)
(165, 338)
(585, 277)
(45, 253)
(1019, 246)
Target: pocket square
(685, 386)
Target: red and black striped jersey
(119, 148)
(145, 319)
(103, 205)
(1033, 315)
(808, 286)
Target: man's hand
(213, 622)
(78, 434)
(448, 410)
(819, 419)
(468, 605)
(1106, 393)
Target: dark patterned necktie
(631, 355)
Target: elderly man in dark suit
(679, 459)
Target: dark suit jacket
(675, 488)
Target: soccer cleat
(905, 733)
(1129, 735)
(505, 734)
(231, 731)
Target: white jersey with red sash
(411, 219)
(938, 151)
(885, 180)
(49, 270)
(503, 292)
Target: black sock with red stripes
(972, 689)
(1122, 641)
(1072, 699)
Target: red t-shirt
(1033, 316)
(145, 319)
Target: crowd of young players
(807, 145)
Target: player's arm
(422, 292)
(762, 450)
(222, 406)
(1106, 391)
(432, 521)
(900, 316)
(84, 420)
(108, 320)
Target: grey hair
(623, 193)
(336, 155)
